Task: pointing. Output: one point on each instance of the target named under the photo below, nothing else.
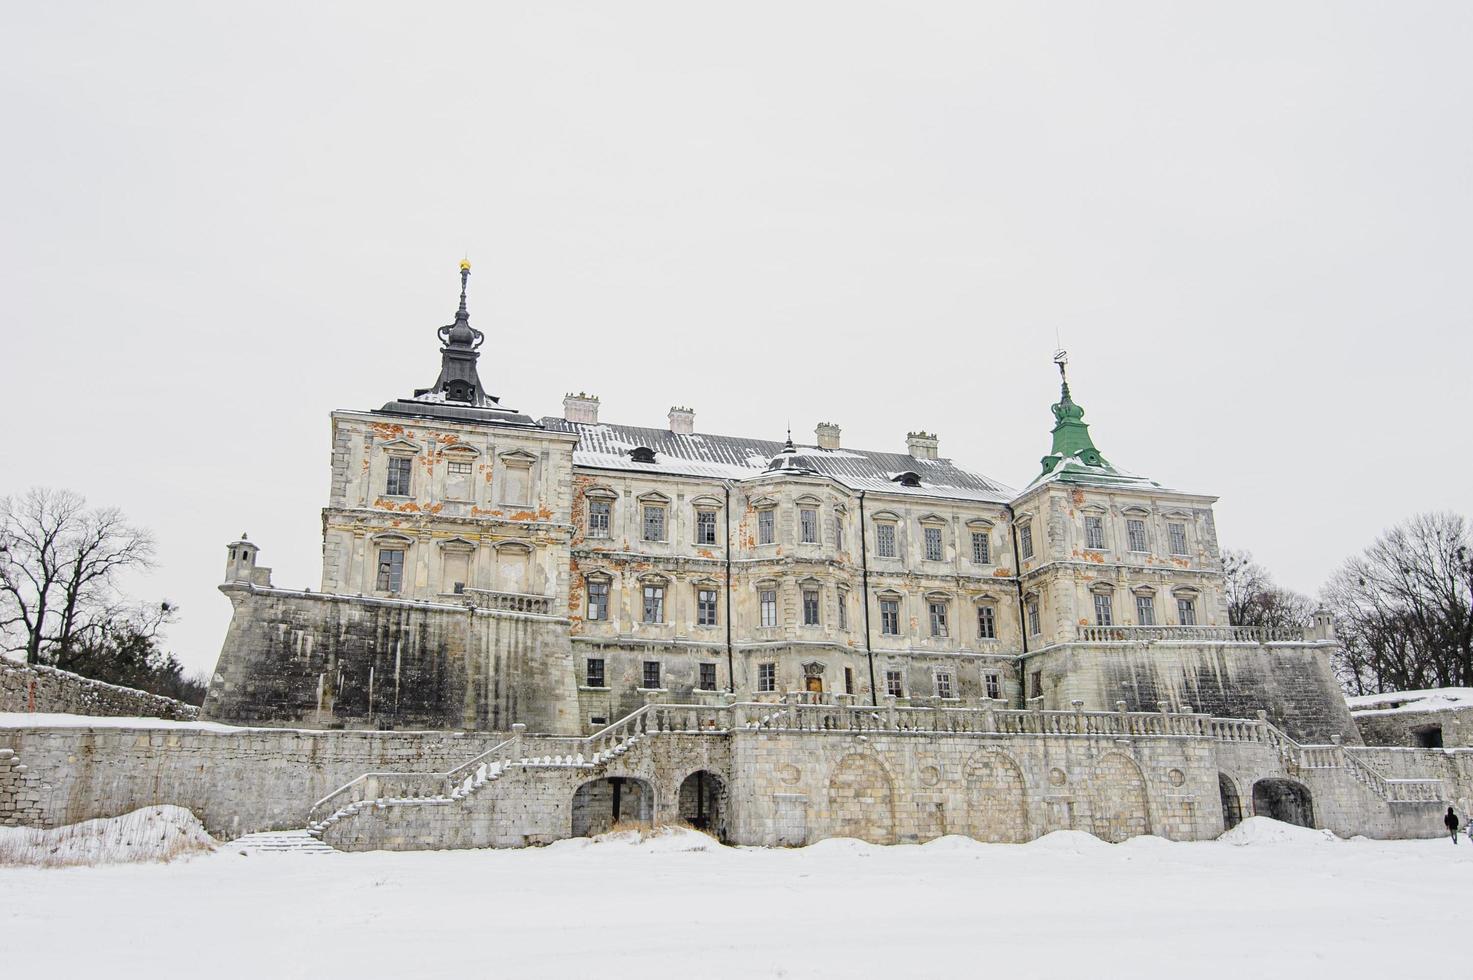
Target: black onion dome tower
(458, 392)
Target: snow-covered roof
(606, 446)
(1434, 699)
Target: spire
(1071, 434)
(459, 380)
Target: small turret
(241, 567)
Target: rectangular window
(1035, 621)
(705, 527)
(848, 680)
(894, 684)
(1145, 610)
(399, 470)
(595, 672)
(706, 607)
(708, 677)
(598, 600)
(458, 481)
(767, 599)
(652, 675)
(993, 685)
(933, 544)
(1135, 534)
(1094, 532)
(981, 548)
(885, 540)
(843, 610)
(1035, 684)
(1178, 535)
(944, 687)
(390, 569)
(810, 607)
(598, 518)
(654, 522)
(938, 618)
(766, 678)
(986, 623)
(808, 525)
(1186, 612)
(766, 526)
(1025, 539)
(890, 617)
(654, 604)
(839, 532)
(1104, 611)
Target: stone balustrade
(513, 602)
(1190, 634)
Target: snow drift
(1266, 830)
(152, 834)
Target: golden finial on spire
(465, 265)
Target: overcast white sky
(1251, 224)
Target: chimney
(682, 420)
(921, 445)
(828, 435)
(581, 407)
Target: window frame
(808, 532)
(1094, 532)
(1145, 604)
(894, 682)
(933, 535)
(767, 677)
(703, 671)
(812, 604)
(602, 672)
(705, 520)
(938, 613)
(944, 684)
(766, 526)
(391, 579)
(707, 616)
(1104, 606)
(981, 547)
(986, 621)
(1025, 539)
(652, 591)
(659, 676)
(596, 586)
(1175, 530)
(647, 510)
(400, 468)
(767, 614)
(1137, 526)
(889, 617)
(887, 539)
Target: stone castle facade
(483, 568)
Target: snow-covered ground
(1433, 699)
(1289, 903)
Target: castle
(483, 568)
(531, 628)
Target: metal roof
(605, 446)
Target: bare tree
(59, 565)
(1255, 599)
(1404, 608)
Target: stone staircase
(280, 842)
(521, 751)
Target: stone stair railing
(1297, 757)
(377, 787)
(521, 750)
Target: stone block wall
(1401, 727)
(1291, 681)
(330, 661)
(47, 690)
(899, 788)
(236, 782)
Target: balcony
(1192, 634)
(512, 602)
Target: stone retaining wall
(236, 782)
(47, 690)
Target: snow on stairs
(281, 842)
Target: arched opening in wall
(1427, 737)
(1283, 799)
(1118, 796)
(603, 804)
(997, 800)
(862, 800)
(1232, 805)
(703, 803)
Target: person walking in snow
(1451, 823)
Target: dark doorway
(1232, 806)
(1283, 799)
(601, 805)
(1427, 737)
(703, 803)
